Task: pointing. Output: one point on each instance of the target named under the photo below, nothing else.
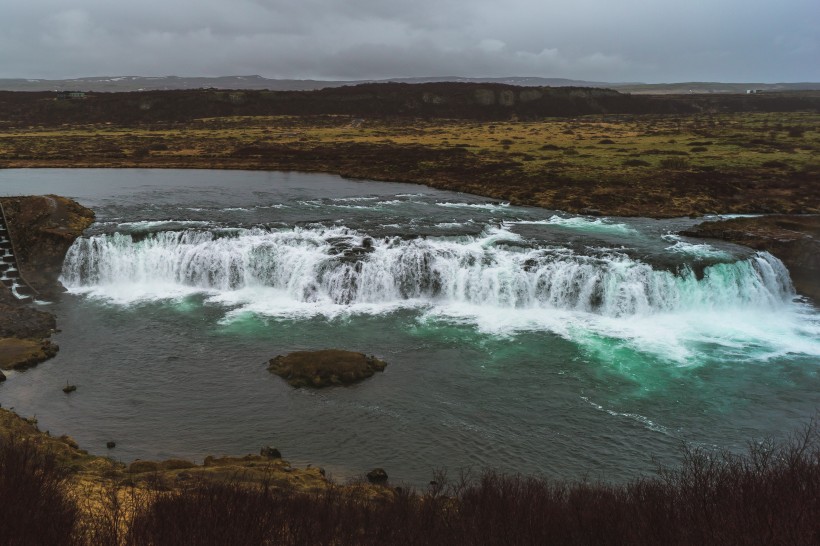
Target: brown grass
(753, 162)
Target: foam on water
(481, 206)
(352, 203)
(146, 226)
(638, 418)
(581, 223)
(345, 199)
(453, 225)
(701, 250)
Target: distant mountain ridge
(163, 83)
(451, 100)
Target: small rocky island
(325, 368)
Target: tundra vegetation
(645, 164)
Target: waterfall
(342, 266)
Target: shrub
(33, 501)
(674, 163)
(769, 495)
(209, 513)
(635, 163)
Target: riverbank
(169, 474)
(94, 482)
(54, 493)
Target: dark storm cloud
(631, 40)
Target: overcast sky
(600, 40)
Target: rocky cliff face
(42, 228)
(795, 240)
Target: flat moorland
(657, 165)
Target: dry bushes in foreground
(769, 495)
(35, 506)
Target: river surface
(517, 338)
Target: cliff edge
(42, 228)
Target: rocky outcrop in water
(42, 228)
(377, 476)
(24, 333)
(795, 240)
(325, 368)
(18, 353)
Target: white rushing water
(495, 281)
(342, 267)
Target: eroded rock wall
(43, 228)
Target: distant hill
(455, 100)
(169, 83)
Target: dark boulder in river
(377, 476)
(325, 368)
(270, 453)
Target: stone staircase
(9, 271)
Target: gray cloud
(630, 40)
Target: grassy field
(648, 165)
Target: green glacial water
(517, 338)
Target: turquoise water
(518, 338)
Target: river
(516, 338)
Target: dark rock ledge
(43, 228)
